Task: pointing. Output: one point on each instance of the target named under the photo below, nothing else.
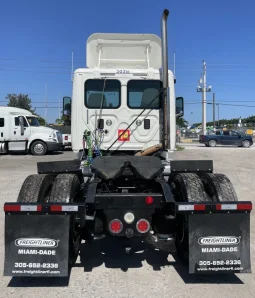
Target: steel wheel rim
(38, 148)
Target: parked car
(226, 137)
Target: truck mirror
(21, 123)
(67, 104)
(179, 107)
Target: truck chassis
(187, 209)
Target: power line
(41, 61)
(224, 104)
(33, 71)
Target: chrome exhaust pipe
(166, 107)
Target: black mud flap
(219, 243)
(36, 245)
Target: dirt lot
(148, 274)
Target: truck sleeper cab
(20, 131)
(116, 87)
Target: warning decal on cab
(123, 136)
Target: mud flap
(36, 245)
(219, 243)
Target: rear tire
(219, 187)
(66, 189)
(36, 189)
(187, 187)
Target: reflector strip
(9, 208)
(218, 207)
(244, 207)
(56, 208)
(59, 208)
(69, 208)
(199, 207)
(29, 208)
(196, 207)
(234, 207)
(186, 207)
(228, 207)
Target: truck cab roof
(15, 111)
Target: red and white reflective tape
(60, 208)
(219, 207)
(39, 208)
(27, 208)
(234, 206)
(196, 207)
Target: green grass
(179, 148)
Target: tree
(181, 122)
(21, 101)
(59, 121)
(41, 120)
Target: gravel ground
(147, 274)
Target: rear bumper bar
(37, 236)
(179, 208)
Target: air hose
(87, 138)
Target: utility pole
(203, 89)
(213, 110)
(59, 113)
(46, 103)
(218, 113)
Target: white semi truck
(20, 131)
(120, 112)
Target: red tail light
(143, 226)
(149, 200)
(66, 138)
(115, 226)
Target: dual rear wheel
(189, 187)
(63, 188)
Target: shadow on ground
(111, 253)
(29, 154)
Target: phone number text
(215, 263)
(36, 265)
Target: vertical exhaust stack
(166, 108)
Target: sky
(37, 39)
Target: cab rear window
(102, 93)
(144, 94)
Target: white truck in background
(20, 131)
(67, 140)
(65, 131)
